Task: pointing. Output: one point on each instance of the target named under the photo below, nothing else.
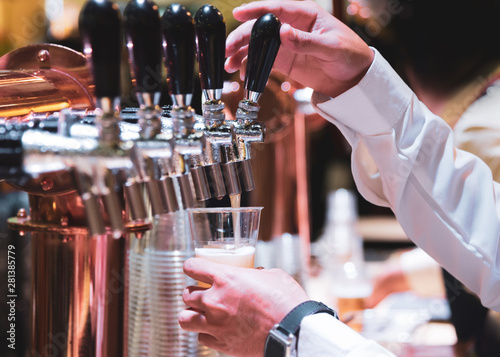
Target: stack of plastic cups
(168, 249)
(139, 325)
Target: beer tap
(144, 43)
(96, 170)
(179, 52)
(211, 41)
(262, 51)
(100, 28)
(143, 40)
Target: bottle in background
(341, 255)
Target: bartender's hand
(317, 50)
(235, 315)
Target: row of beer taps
(177, 156)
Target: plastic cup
(225, 235)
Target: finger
(238, 38)
(292, 39)
(192, 320)
(243, 69)
(301, 14)
(242, 66)
(305, 42)
(234, 62)
(192, 297)
(201, 269)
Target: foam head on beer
(225, 235)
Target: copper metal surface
(43, 79)
(78, 292)
(79, 302)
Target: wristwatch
(283, 337)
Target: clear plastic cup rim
(224, 209)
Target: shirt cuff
(322, 334)
(371, 107)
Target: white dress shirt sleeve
(322, 335)
(404, 157)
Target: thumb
(202, 269)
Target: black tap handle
(263, 48)
(179, 36)
(143, 36)
(211, 44)
(101, 31)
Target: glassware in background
(340, 251)
(282, 252)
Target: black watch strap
(284, 335)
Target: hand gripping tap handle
(263, 48)
(211, 44)
(143, 37)
(179, 36)
(100, 28)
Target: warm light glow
(286, 86)
(352, 9)
(54, 9)
(37, 108)
(365, 12)
(230, 87)
(63, 22)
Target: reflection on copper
(46, 91)
(78, 292)
(61, 59)
(78, 281)
(32, 83)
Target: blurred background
(302, 170)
